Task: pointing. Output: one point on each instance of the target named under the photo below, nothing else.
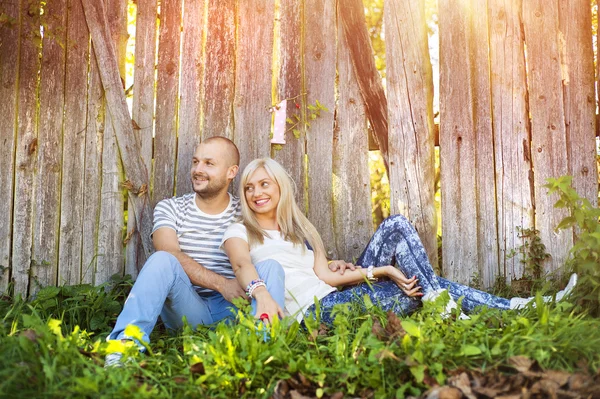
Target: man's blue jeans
(163, 288)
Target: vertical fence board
(27, 142)
(578, 87)
(48, 176)
(351, 183)
(289, 86)
(94, 142)
(142, 113)
(487, 227)
(219, 74)
(466, 147)
(514, 191)
(549, 147)
(110, 229)
(167, 87)
(191, 80)
(71, 210)
(319, 76)
(410, 115)
(9, 67)
(253, 79)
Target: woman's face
(262, 193)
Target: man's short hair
(234, 153)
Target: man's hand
(341, 266)
(231, 289)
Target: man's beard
(213, 187)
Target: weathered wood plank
(47, 180)
(352, 16)
(253, 79)
(94, 142)
(548, 133)
(9, 68)
(110, 230)
(289, 86)
(135, 170)
(27, 143)
(142, 112)
(71, 205)
(469, 227)
(191, 81)
(351, 183)
(411, 137)
(167, 87)
(319, 77)
(219, 74)
(575, 23)
(514, 191)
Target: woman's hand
(265, 304)
(341, 266)
(407, 285)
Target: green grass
(45, 353)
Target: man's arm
(165, 239)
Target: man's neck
(213, 205)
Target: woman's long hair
(293, 225)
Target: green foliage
(364, 354)
(585, 254)
(532, 252)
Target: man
(189, 275)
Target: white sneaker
(113, 360)
(431, 296)
(520, 303)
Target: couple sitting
(207, 256)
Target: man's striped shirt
(199, 233)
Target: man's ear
(232, 172)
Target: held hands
(341, 266)
(407, 285)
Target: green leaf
(470, 350)
(418, 372)
(567, 222)
(411, 328)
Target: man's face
(211, 169)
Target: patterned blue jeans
(396, 242)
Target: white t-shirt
(301, 283)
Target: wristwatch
(370, 276)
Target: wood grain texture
(352, 16)
(253, 77)
(94, 142)
(190, 96)
(135, 170)
(110, 259)
(48, 175)
(351, 179)
(548, 132)
(167, 88)
(9, 68)
(27, 143)
(319, 78)
(219, 70)
(410, 115)
(466, 144)
(71, 205)
(514, 190)
(575, 23)
(289, 85)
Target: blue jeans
(163, 288)
(396, 242)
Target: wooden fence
(517, 106)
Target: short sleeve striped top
(199, 233)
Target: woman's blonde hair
(293, 225)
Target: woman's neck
(267, 222)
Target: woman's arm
(359, 275)
(238, 252)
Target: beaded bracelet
(253, 285)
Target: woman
(273, 227)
